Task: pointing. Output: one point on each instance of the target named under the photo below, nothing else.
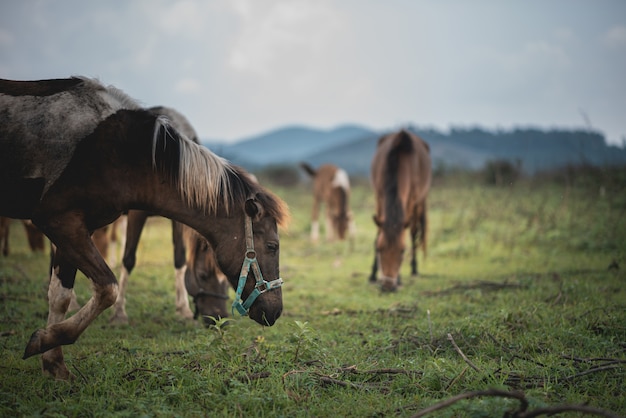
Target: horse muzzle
(388, 284)
(267, 308)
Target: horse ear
(377, 221)
(253, 209)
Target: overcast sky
(237, 68)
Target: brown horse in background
(33, 234)
(331, 186)
(93, 154)
(204, 280)
(401, 176)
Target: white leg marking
(119, 308)
(315, 231)
(182, 297)
(58, 299)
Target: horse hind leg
(78, 251)
(414, 244)
(60, 298)
(4, 235)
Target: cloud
(616, 37)
(187, 86)
(287, 34)
(6, 38)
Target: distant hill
(287, 145)
(352, 147)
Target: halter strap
(249, 262)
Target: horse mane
(205, 180)
(394, 212)
(124, 101)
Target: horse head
(263, 282)
(341, 222)
(250, 258)
(390, 247)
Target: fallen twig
(254, 376)
(327, 380)
(522, 411)
(481, 284)
(592, 370)
(467, 395)
(456, 347)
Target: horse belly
(18, 197)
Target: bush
(279, 175)
(501, 172)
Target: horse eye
(272, 247)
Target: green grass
(516, 277)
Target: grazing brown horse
(331, 186)
(204, 280)
(135, 223)
(74, 155)
(401, 175)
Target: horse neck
(225, 232)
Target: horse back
(37, 88)
(401, 166)
(42, 123)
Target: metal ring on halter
(261, 285)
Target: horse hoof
(118, 320)
(58, 371)
(34, 345)
(183, 313)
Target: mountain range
(352, 147)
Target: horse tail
(309, 170)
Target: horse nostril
(270, 319)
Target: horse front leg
(180, 266)
(135, 221)
(328, 225)
(315, 225)
(374, 274)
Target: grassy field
(520, 302)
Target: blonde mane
(209, 182)
(203, 177)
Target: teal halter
(261, 285)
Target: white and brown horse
(331, 187)
(75, 155)
(401, 176)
